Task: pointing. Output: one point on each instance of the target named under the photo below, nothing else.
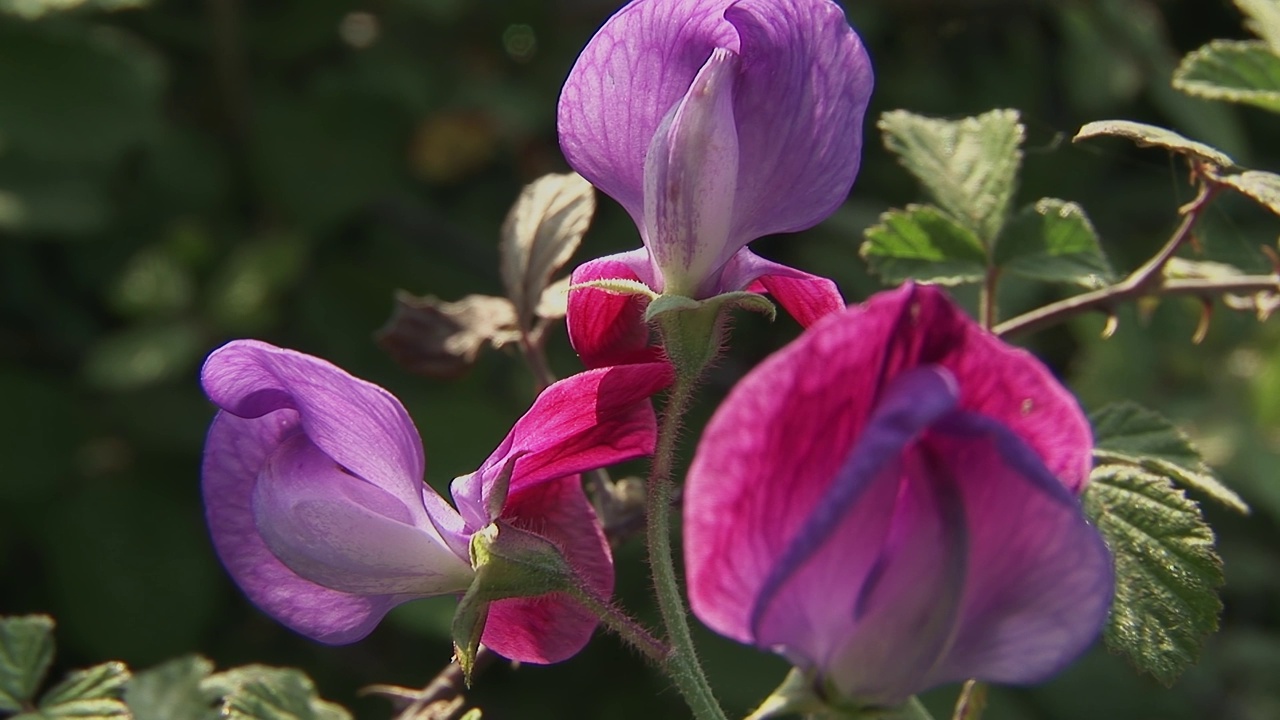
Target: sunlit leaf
(1153, 136)
(924, 243)
(90, 694)
(1125, 432)
(1262, 18)
(1053, 241)
(540, 234)
(172, 691)
(1167, 572)
(26, 650)
(969, 166)
(1262, 187)
(1236, 71)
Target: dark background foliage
(177, 174)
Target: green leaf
(924, 243)
(172, 691)
(26, 650)
(258, 692)
(968, 166)
(1167, 572)
(1241, 71)
(1152, 136)
(1258, 185)
(1127, 433)
(90, 694)
(1263, 20)
(1053, 241)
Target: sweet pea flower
(713, 122)
(891, 503)
(314, 494)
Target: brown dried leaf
(428, 336)
(540, 234)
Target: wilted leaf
(26, 650)
(90, 694)
(540, 234)
(1167, 572)
(1239, 71)
(924, 243)
(441, 339)
(1129, 433)
(968, 166)
(1261, 186)
(171, 691)
(1055, 242)
(1153, 136)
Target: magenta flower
(313, 489)
(713, 122)
(890, 502)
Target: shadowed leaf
(428, 336)
(924, 243)
(1238, 71)
(1053, 241)
(540, 234)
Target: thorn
(1202, 327)
(1109, 329)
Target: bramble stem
(1145, 281)
(682, 661)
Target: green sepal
(801, 693)
(617, 286)
(693, 330)
(509, 563)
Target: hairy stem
(683, 662)
(632, 632)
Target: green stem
(682, 661)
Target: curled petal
(630, 75)
(359, 425)
(552, 627)
(336, 530)
(606, 328)
(235, 451)
(801, 94)
(805, 297)
(690, 175)
(589, 420)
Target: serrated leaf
(1128, 433)
(969, 166)
(1053, 241)
(1262, 18)
(1167, 572)
(92, 694)
(172, 691)
(259, 692)
(1261, 186)
(923, 243)
(540, 234)
(1153, 136)
(1241, 71)
(26, 650)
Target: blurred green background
(177, 174)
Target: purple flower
(314, 494)
(891, 503)
(713, 122)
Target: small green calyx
(802, 693)
(693, 330)
(509, 563)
